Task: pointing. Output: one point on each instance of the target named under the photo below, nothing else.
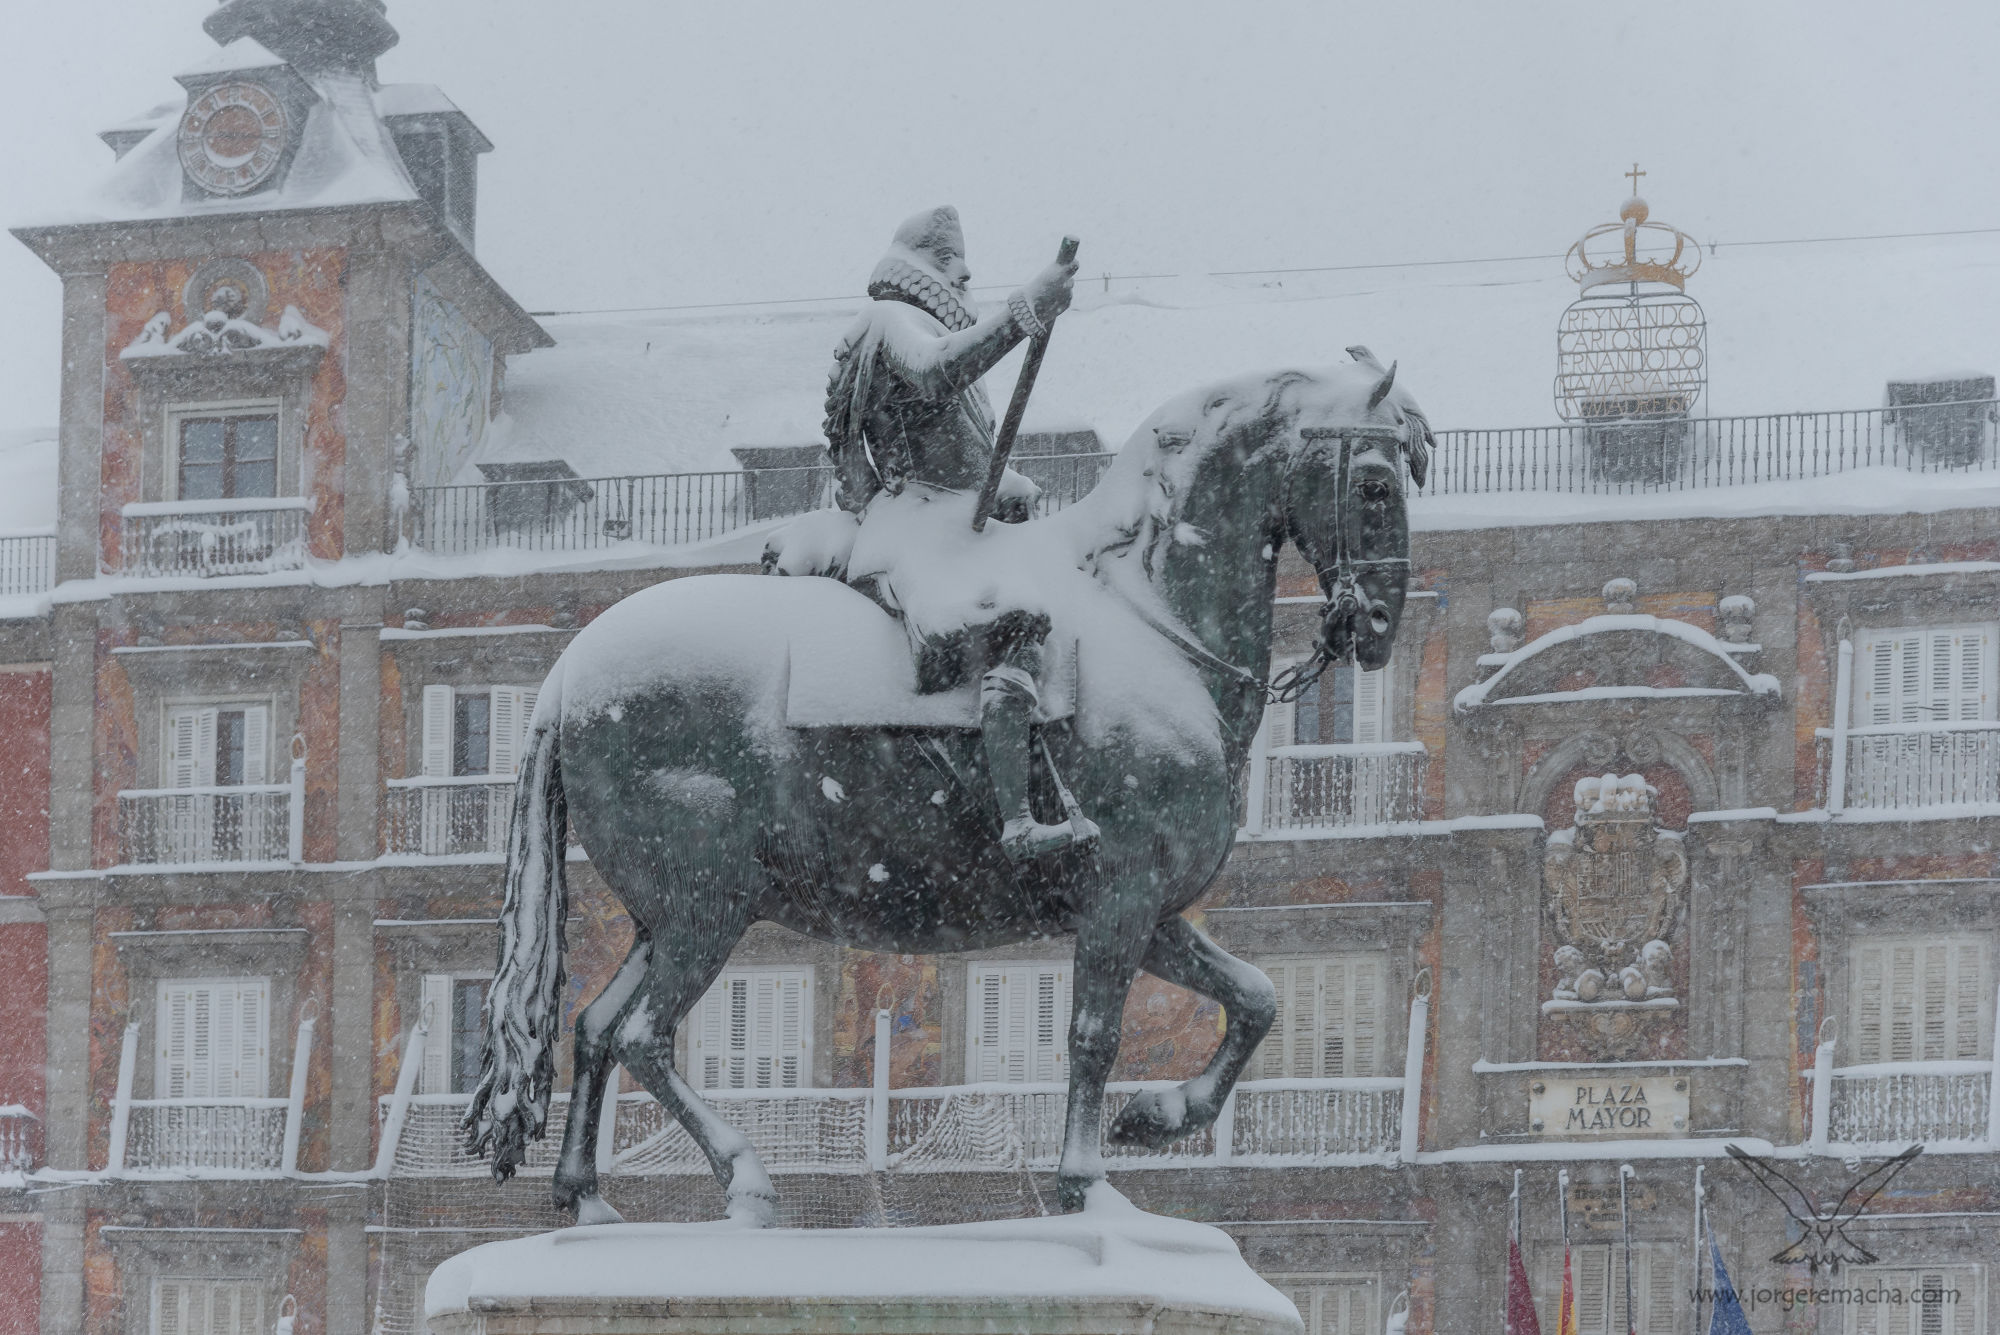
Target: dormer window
(227, 455)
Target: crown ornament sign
(1632, 348)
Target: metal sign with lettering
(1611, 1106)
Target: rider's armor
(911, 433)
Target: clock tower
(241, 129)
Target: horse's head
(1352, 436)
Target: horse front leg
(575, 1184)
(1182, 955)
(1109, 947)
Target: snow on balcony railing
(444, 817)
(1902, 766)
(206, 1135)
(191, 826)
(1918, 1101)
(20, 1139)
(27, 563)
(1680, 454)
(661, 509)
(1334, 786)
(252, 536)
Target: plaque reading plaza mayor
(1616, 1106)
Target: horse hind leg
(1183, 956)
(576, 1185)
(644, 1045)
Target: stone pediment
(1615, 657)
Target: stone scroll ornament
(1614, 884)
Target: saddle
(860, 674)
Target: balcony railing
(661, 509)
(20, 1139)
(1906, 766)
(27, 563)
(443, 817)
(1950, 1101)
(214, 537)
(215, 1135)
(1335, 786)
(1680, 454)
(192, 826)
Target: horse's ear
(1382, 388)
(1360, 353)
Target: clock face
(232, 137)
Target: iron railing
(438, 817)
(1874, 1107)
(1335, 786)
(1680, 454)
(20, 1139)
(241, 537)
(1904, 766)
(206, 1135)
(185, 826)
(662, 509)
(27, 563)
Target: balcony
(1334, 787)
(183, 827)
(448, 817)
(20, 1139)
(1900, 1103)
(27, 563)
(1910, 766)
(255, 536)
(212, 1137)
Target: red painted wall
(20, 1279)
(24, 848)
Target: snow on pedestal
(1112, 1269)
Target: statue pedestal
(1111, 1270)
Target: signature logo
(1824, 1242)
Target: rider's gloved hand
(1048, 293)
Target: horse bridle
(1341, 577)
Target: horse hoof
(1071, 1190)
(1151, 1119)
(594, 1209)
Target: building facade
(1661, 832)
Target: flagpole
(1699, 1193)
(1562, 1204)
(1625, 1171)
(1515, 1226)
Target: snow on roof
(1476, 349)
(245, 53)
(27, 481)
(414, 99)
(1475, 695)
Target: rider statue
(912, 438)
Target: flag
(1521, 1319)
(1566, 1311)
(1726, 1316)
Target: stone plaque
(1613, 1107)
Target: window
(455, 1008)
(208, 1307)
(210, 746)
(1597, 1270)
(1332, 1304)
(1920, 998)
(226, 456)
(1346, 705)
(754, 1031)
(1017, 1022)
(1329, 1020)
(212, 1038)
(473, 731)
(1931, 1300)
(1935, 675)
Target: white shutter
(1330, 1017)
(435, 1005)
(1935, 675)
(1590, 1269)
(249, 1038)
(753, 1030)
(212, 1038)
(1017, 1022)
(1280, 718)
(504, 730)
(1892, 678)
(174, 1041)
(1371, 705)
(437, 731)
(1921, 998)
(190, 749)
(256, 743)
(1332, 1304)
(207, 1307)
(1933, 1300)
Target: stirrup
(1024, 837)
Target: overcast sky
(651, 152)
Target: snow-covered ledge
(1516, 675)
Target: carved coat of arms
(1615, 883)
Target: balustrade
(214, 537)
(20, 1139)
(443, 817)
(189, 826)
(1336, 786)
(206, 1135)
(1949, 1101)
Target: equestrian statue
(941, 735)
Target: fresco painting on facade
(451, 388)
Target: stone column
(360, 794)
(66, 1116)
(80, 469)
(347, 1307)
(62, 1262)
(375, 415)
(351, 1027)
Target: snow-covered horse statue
(736, 748)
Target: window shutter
(1371, 706)
(504, 735)
(185, 752)
(1921, 998)
(435, 1005)
(1592, 1273)
(1329, 1021)
(1866, 984)
(248, 1029)
(1280, 717)
(170, 1308)
(256, 743)
(1017, 1022)
(1271, 1052)
(1653, 1277)
(213, 1039)
(753, 1030)
(1049, 1052)
(710, 1048)
(174, 1041)
(437, 731)
(984, 1002)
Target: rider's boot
(1007, 699)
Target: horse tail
(510, 1106)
